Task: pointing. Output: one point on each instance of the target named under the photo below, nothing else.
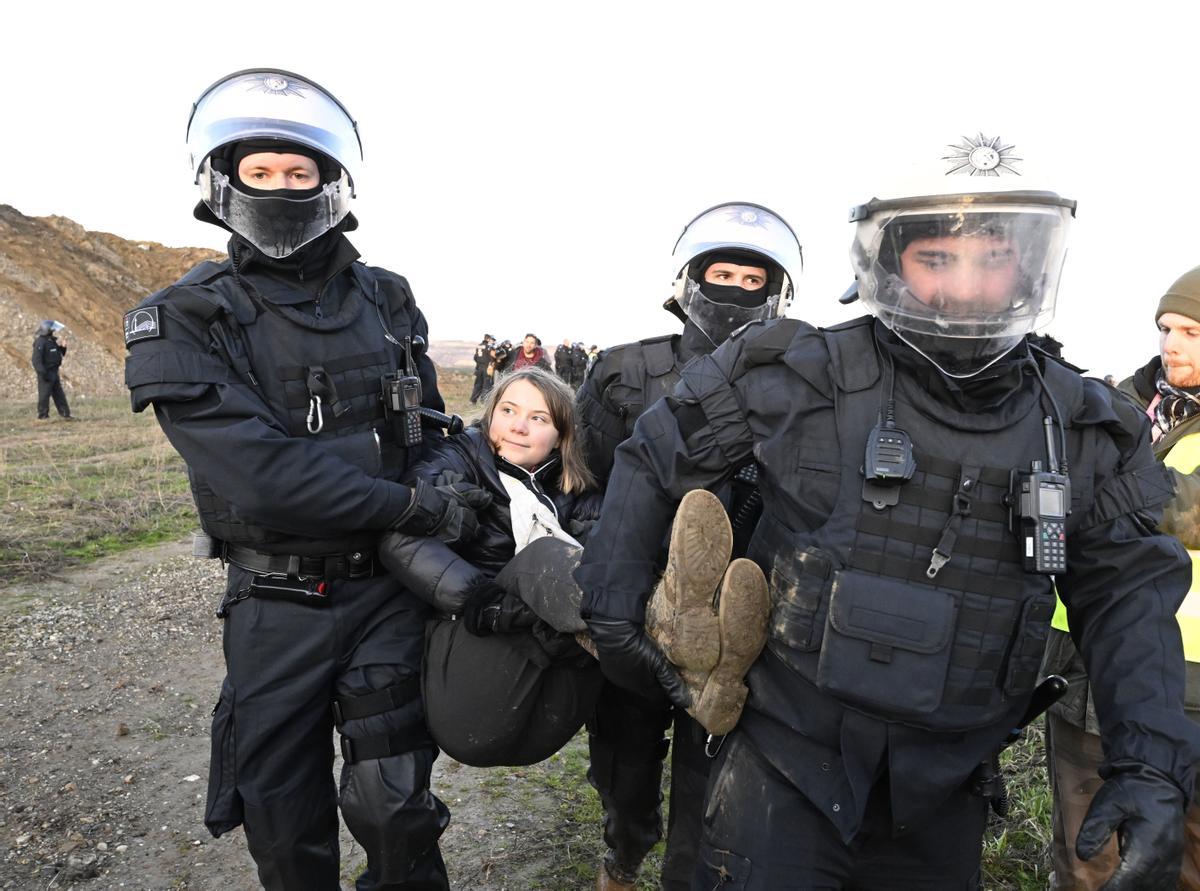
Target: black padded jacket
(442, 576)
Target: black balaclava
(733, 294)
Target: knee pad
(389, 809)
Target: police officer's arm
(39, 360)
(426, 566)
(224, 430)
(601, 424)
(694, 439)
(1124, 584)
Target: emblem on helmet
(981, 156)
(747, 216)
(276, 85)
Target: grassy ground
(1016, 850)
(73, 491)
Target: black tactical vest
(649, 371)
(299, 364)
(855, 610)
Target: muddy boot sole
(744, 610)
(680, 614)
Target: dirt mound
(53, 268)
(453, 353)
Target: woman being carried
(504, 684)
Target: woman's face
(521, 429)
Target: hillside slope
(53, 268)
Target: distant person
(48, 352)
(483, 360)
(593, 354)
(531, 353)
(502, 358)
(564, 360)
(578, 365)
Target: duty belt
(358, 565)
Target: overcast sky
(529, 166)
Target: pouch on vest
(887, 644)
(799, 598)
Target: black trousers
(273, 738)
(762, 833)
(481, 386)
(627, 748)
(51, 389)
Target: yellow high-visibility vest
(1184, 457)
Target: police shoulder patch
(142, 324)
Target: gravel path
(109, 676)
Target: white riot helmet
(748, 234)
(964, 262)
(264, 105)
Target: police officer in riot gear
(912, 584)
(48, 352)
(734, 263)
(267, 372)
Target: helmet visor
(275, 224)
(719, 319)
(962, 280)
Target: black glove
(445, 512)
(489, 609)
(630, 659)
(1146, 810)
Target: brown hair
(561, 401)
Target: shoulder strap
(853, 359)
(202, 273)
(390, 294)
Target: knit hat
(1182, 297)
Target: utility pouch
(1029, 645)
(293, 590)
(887, 644)
(799, 598)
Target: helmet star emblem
(981, 156)
(277, 85)
(748, 216)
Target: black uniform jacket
(768, 392)
(47, 355)
(228, 434)
(623, 382)
(442, 576)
